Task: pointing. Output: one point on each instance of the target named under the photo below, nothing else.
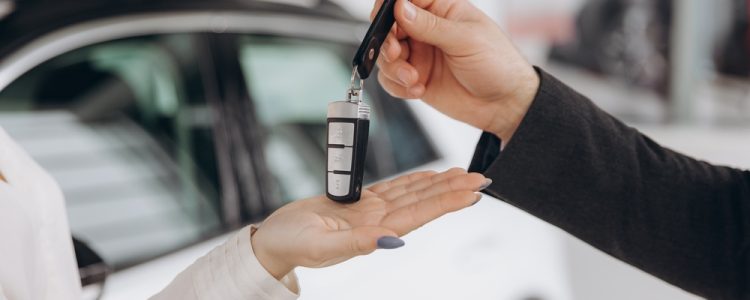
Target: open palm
(318, 232)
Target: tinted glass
(292, 81)
(124, 128)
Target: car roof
(30, 19)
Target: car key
(348, 131)
(349, 121)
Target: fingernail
(390, 242)
(410, 12)
(479, 197)
(404, 76)
(486, 184)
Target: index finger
(467, 182)
(411, 217)
(384, 186)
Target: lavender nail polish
(390, 242)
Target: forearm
(230, 271)
(575, 166)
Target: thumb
(359, 240)
(427, 27)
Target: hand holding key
(318, 232)
(456, 59)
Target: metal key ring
(355, 75)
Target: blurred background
(170, 124)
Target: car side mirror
(92, 270)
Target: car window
(291, 82)
(124, 128)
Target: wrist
(512, 110)
(278, 268)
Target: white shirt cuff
(233, 272)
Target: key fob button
(341, 134)
(338, 184)
(340, 159)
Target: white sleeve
(37, 260)
(230, 271)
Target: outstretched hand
(318, 232)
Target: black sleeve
(573, 165)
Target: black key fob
(348, 130)
(349, 120)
